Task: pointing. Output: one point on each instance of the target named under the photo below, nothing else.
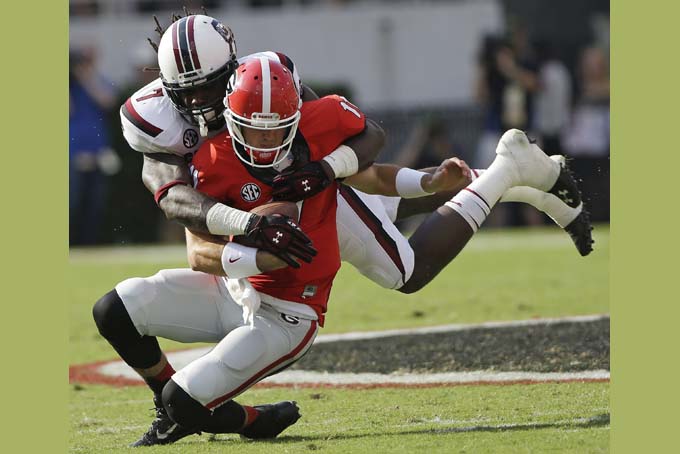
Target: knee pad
(112, 317)
(115, 325)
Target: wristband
(239, 261)
(343, 160)
(408, 183)
(224, 220)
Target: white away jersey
(152, 125)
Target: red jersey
(324, 124)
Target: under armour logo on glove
(296, 185)
(282, 237)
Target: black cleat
(566, 189)
(580, 232)
(272, 420)
(163, 430)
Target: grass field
(502, 275)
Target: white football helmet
(197, 56)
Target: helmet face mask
(263, 156)
(197, 56)
(262, 102)
(201, 102)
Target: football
(286, 208)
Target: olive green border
(645, 162)
(35, 223)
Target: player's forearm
(377, 179)
(205, 253)
(167, 177)
(187, 206)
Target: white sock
(475, 201)
(548, 203)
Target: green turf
(473, 419)
(501, 275)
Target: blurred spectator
(552, 106)
(506, 81)
(587, 138)
(91, 160)
(428, 144)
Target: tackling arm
(181, 202)
(391, 180)
(354, 155)
(366, 145)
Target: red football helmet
(262, 95)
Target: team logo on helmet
(226, 34)
(190, 138)
(250, 192)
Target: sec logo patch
(190, 138)
(250, 192)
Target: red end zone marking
(89, 374)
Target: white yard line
(295, 377)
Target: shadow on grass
(600, 420)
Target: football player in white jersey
(168, 120)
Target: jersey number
(154, 94)
(350, 108)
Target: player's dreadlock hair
(174, 18)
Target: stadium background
(411, 65)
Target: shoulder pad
(152, 125)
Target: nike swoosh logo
(234, 260)
(163, 436)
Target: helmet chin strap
(202, 126)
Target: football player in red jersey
(269, 128)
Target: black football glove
(281, 236)
(302, 183)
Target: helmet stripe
(184, 45)
(175, 49)
(266, 85)
(192, 43)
